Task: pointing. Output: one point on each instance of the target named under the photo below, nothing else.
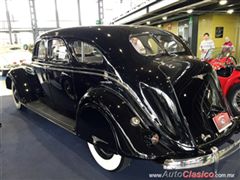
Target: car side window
(57, 51)
(146, 45)
(40, 50)
(87, 53)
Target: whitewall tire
(16, 100)
(108, 161)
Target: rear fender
(128, 140)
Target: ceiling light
(159, 26)
(162, 4)
(223, 2)
(148, 22)
(230, 11)
(164, 18)
(189, 11)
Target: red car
(228, 74)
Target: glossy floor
(32, 148)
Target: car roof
(109, 39)
(111, 30)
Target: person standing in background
(206, 47)
(228, 46)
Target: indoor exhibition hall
(119, 89)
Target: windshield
(151, 45)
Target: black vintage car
(130, 92)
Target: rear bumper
(204, 160)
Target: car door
(60, 77)
(39, 65)
(89, 67)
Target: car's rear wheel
(15, 95)
(234, 99)
(108, 160)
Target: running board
(47, 112)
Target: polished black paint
(102, 98)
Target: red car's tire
(233, 98)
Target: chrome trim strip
(58, 123)
(101, 74)
(204, 160)
(119, 81)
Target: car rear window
(152, 45)
(146, 45)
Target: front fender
(130, 140)
(26, 84)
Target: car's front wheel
(15, 95)
(108, 160)
(234, 99)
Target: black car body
(155, 102)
